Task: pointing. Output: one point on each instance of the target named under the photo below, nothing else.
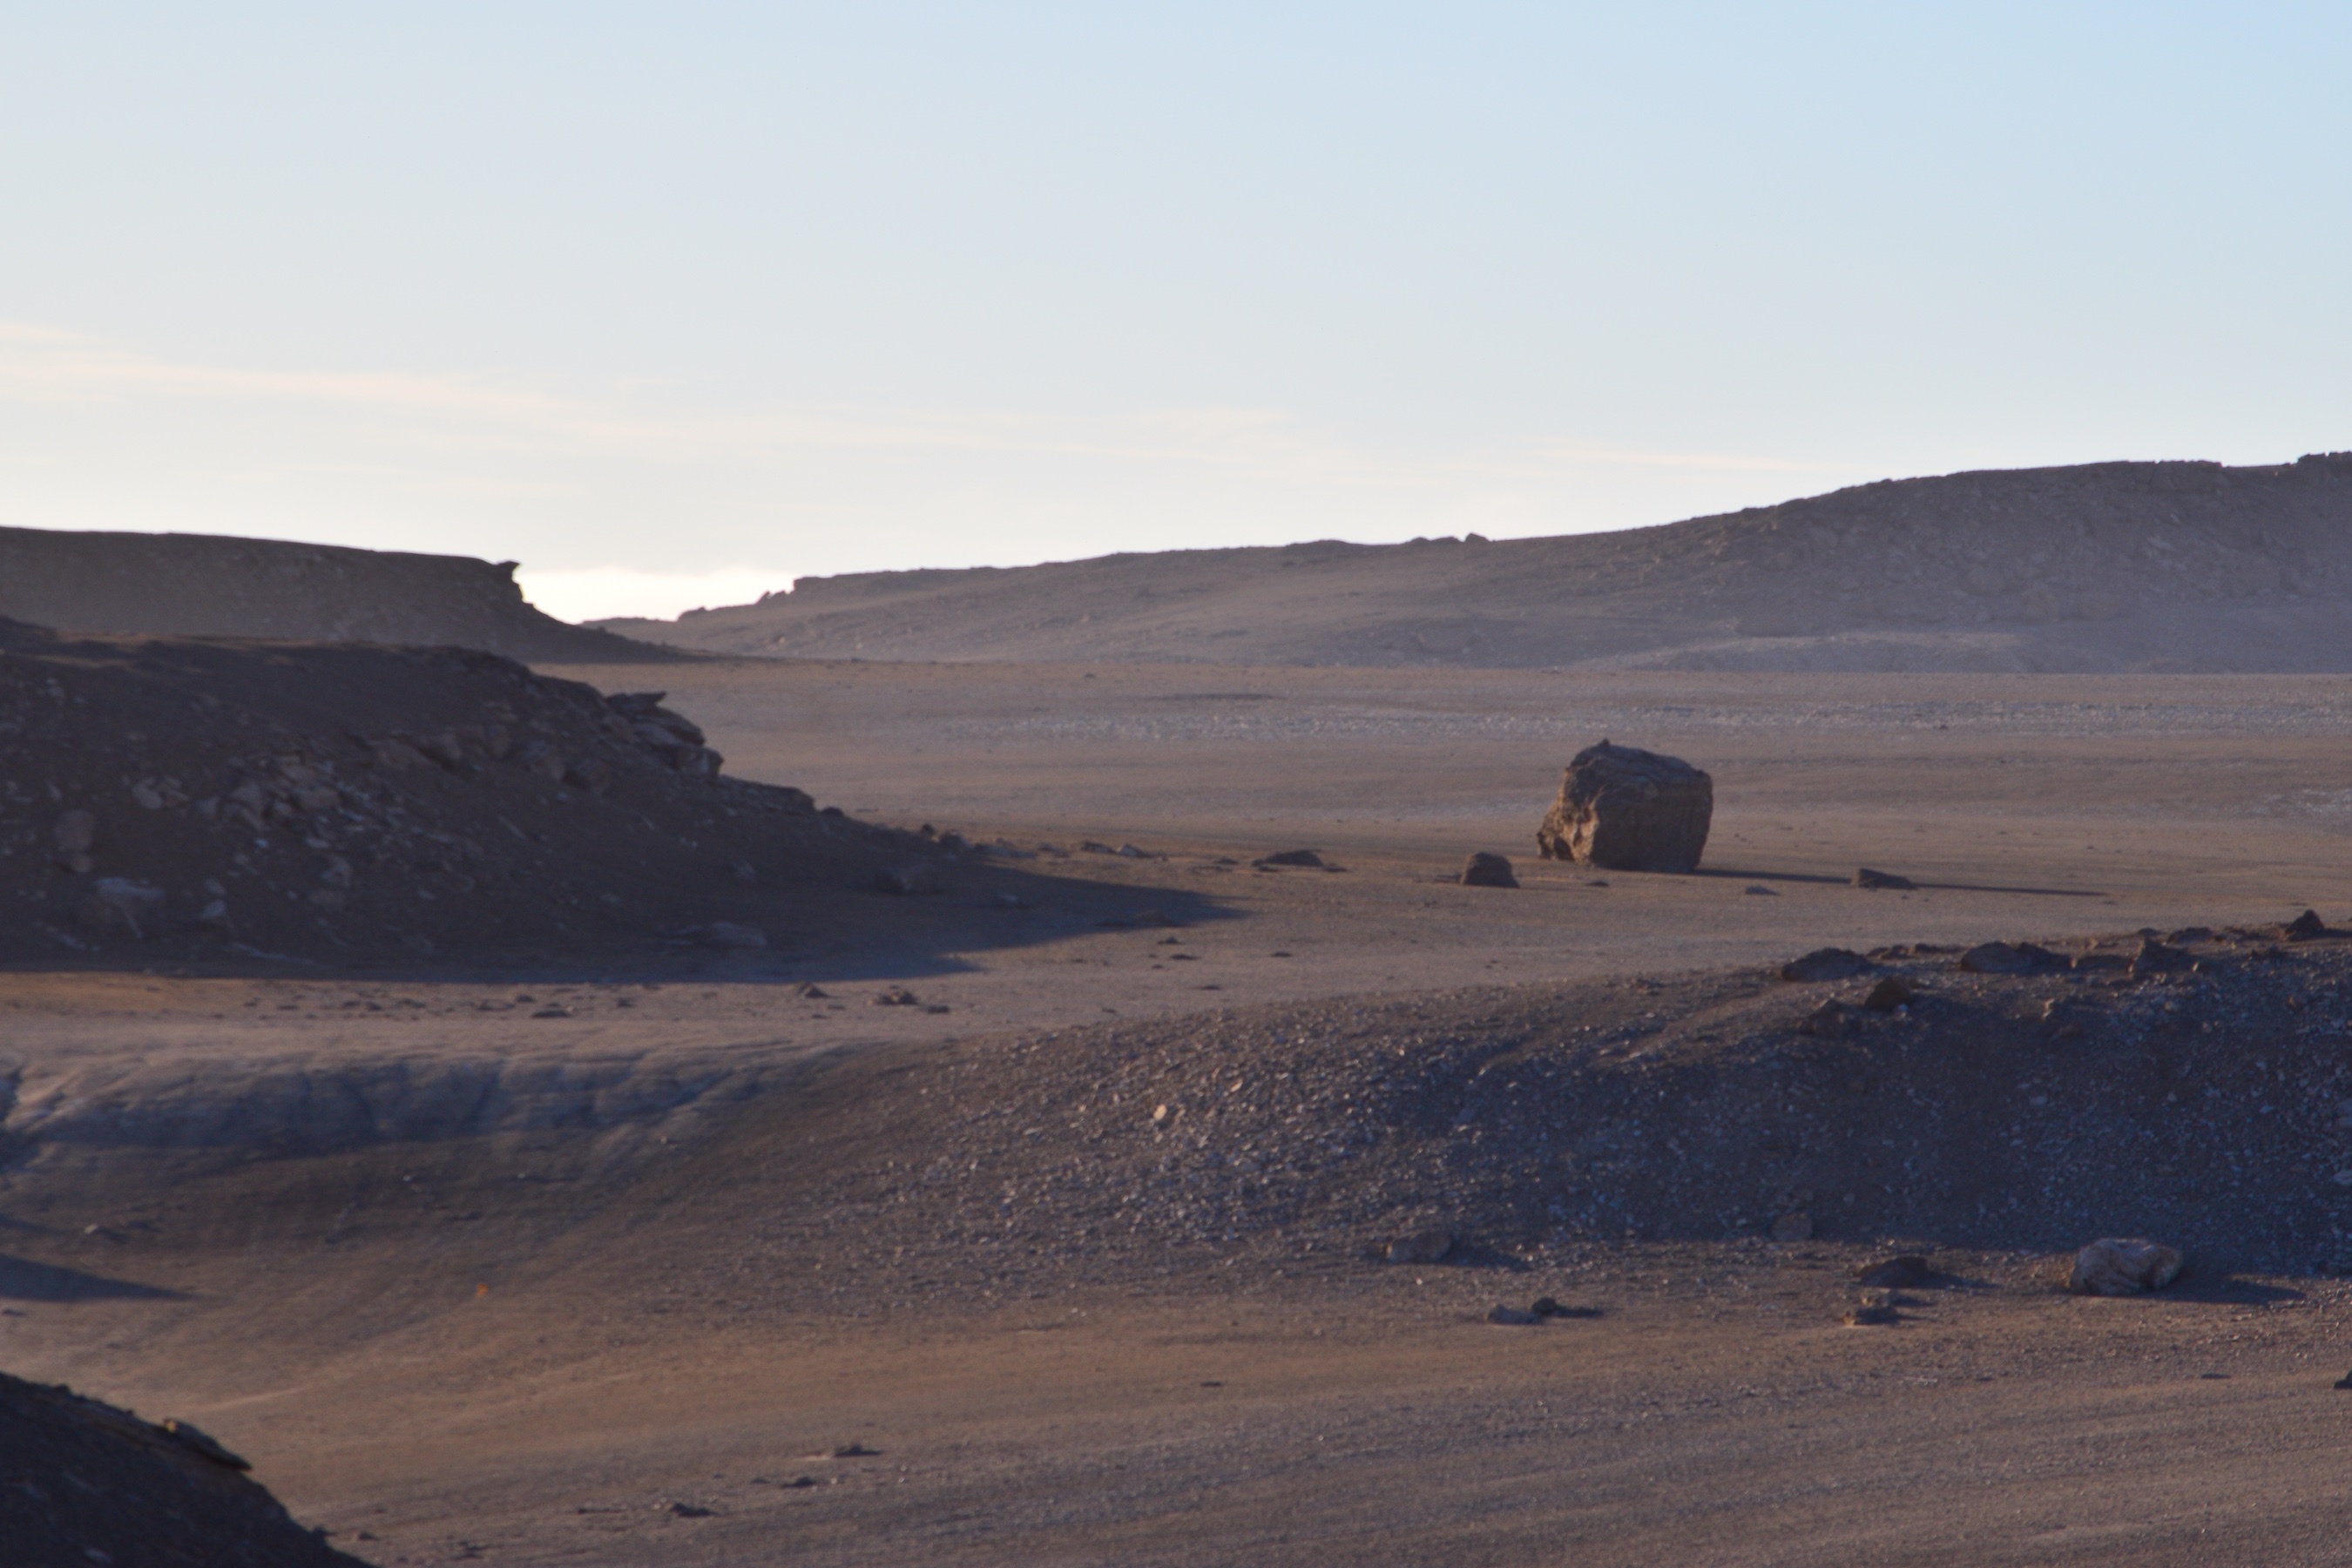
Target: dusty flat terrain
(481, 1282)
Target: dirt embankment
(192, 584)
(2210, 1106)
(178, 798)
(2103, 567)
(92, 1484)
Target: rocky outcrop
(1628, 810)
(192, 584)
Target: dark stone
(1890, 993)
(1287, 857)
(1825, 963)
(1883, 882)
(2156, 958)
(1899, 1273)
(2304, 927)
(1628, 810)
(1831, 1020)
(1485, 871)
(2005, 958)
(1432, 1244)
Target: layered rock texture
(2104, 567)
(1625, 809)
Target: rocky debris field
(2204, 1098)
(87, 1484)
(175, 798)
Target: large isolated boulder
(2118, 1266)
(1628, 810)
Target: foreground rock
(2114, 1266)
(87, 1483)
(1624, 809)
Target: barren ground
(542, 1313)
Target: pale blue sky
(674, 302)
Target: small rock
(1867, 1315)
(726, 933)
(2344, 1381)
(1545, 1307)
(1825, 963)
(1289, 857)
(1889, 994)
(2157, 958)
(1831, 1020)
(1898, 1273)
(2304, 927)
(1433, 1244)
(857, 1451)
(1793, 1228)
(809, 991)
(591, 773)
(896, 997)
(1758, 889)
(1486, 870)
(74, 832)
(553, 1012)
(2115, 1266)
(1513, 1316)
(1132, 853)
(687, 1510)
(915, 878)
(119, 899)
(199, 1442)
(2005, 958)
(1883, 882)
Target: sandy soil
(506, 1308)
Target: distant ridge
(2104, 566)
(196, 584)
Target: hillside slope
(2107, 566)
(192, 584)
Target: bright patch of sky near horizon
(676, 303)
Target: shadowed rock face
(1628, 810)
(189, 584)
(90, 1483)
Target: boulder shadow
(21, 1279)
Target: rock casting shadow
(23, 1280)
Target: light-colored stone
(2117, 1265)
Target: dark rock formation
(1485, 871)
(90, 1483)
(1628, 810)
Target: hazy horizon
(675, 310)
